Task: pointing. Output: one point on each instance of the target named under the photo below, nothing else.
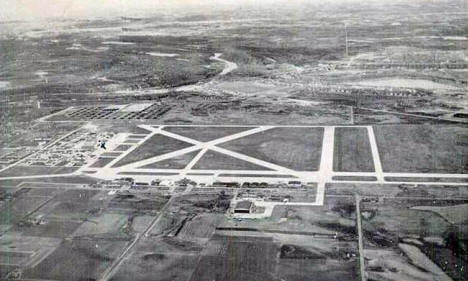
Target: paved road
(360, 239)
(118, 261)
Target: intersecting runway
(273, 172)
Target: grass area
(101, 162)
(111, 154)
(123, 147)
(205, 133)
(19, 171)
(457, 214)
(132, 141)
(352, 151)
(425, 179)
(154, 146)
(178, 162)
(422, 148)
(147, 174)
(353, 178)
(141, 223)
(383, 224)
(295, 148)
(212, 160)
(256, 176)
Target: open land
(289, 141)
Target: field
(429, 240)
(295, 148)
(336, 217)
(142, 265)
(220, 260)
(156, 145)
(352, 151)
(352, 178)
(425, 179)
(213, 160)
(17, 171)
(106, 225)
(123, 147)
(77, 260)
(72, 204)
(178, 162)
(422, 148)
(101, 162)
(53, 228)
(329, 263)
(138, 202)
(453, 214)
(205, 134)
(111, 154)
(140, 223)
(17, 209)
(35, 248)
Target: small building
(244, 207)
(295, 184)
(226, 184)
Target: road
(360, 239)
(118, 261)
(229, 66)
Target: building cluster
(73, 151)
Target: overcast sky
(35, 9)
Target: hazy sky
(33, 9)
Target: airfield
(307, 184)
(317, 154)
(291, 142)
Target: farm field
(17, 209)
(352, 151)
(142, 265)
(55, 228)
(295, 148)
(108, 225)
(71, 257)
(220, 260)
(334, 261)
(422, 148)
(419, 232)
